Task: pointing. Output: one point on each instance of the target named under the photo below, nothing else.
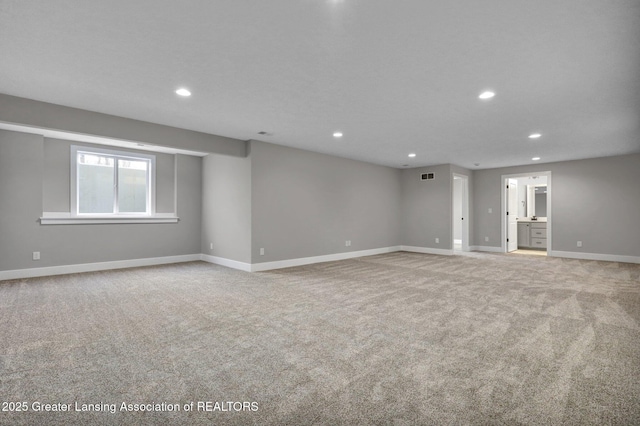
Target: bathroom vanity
(532, 233)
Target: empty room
(331, 212)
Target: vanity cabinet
(532, 235)
(524, 234)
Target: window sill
(66, 219)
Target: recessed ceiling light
(337, 135)
(487, 95)
(412, 155)
(183, 92)
(535, 158)
(534, 135)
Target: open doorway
(526, 213)
(460, 213)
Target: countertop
(528, 220)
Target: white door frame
(465, 211)
(511, 193)
(503, 210)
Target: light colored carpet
(400, 338)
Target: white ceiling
(394, 76)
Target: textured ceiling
(394, 76)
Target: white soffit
(100, 140)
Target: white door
(457, 213)
(460, 213)
(465, 213)
(512, 215)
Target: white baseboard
(257, 267)
(226, 262)
(91, 267)
(266, 266)
(594, 256)
(486, 248)
(427, 250)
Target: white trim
(594, 256)
(65, 218)
(226, 262)
(266, 266)
(175, 185)
(91, 267)
(116, 154)
(101, 140)
(67, 215)
(486, 248)
(427, 250)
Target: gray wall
(595, 201)
(307, 204)
(21, 159)
(426, 212)
(226, 207)
(22, 186)
(57, 117)
(426, 208)
(296, 203)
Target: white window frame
(117, 155)
(73, 217)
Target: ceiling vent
(427, 176)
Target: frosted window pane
(132, 186)
(95, 183)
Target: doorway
(526, 213)
(460, 213)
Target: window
(111, 183)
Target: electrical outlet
(347, 243)
(490, 210)
(486, 239)
(261, 251)
(437, 240)
(211, 246)
(579, 243)
(36, 255)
